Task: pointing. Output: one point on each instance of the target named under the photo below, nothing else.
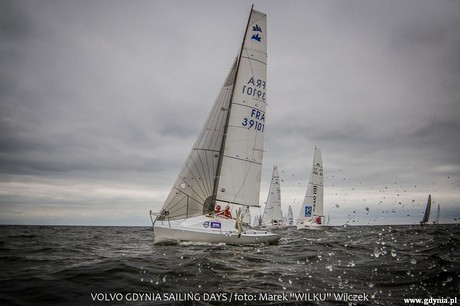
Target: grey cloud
(118, 91)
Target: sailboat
(290, 217)
(426, 216)
(311, 214)
(437, 215)
(273, 216)
(225, 164)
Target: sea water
(368, 265)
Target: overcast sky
(101, 101)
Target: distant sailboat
(311, 214)
(437, 215)
(225, 164)
(246, 216)
(426, 216)
(273, 216)
(290, 217)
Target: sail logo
(256, 36)
(307, 211)
(216, 225)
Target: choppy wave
(69, 265)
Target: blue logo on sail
(256, 36)
(307, 211)
(256, 28)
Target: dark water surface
(379, 265)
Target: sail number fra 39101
(256, 120)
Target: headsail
(426, 216)
(225, 163)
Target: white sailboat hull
(272, 227)
(311, 226)
(209, 229)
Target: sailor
(227, 213)
(217, 211)
(318, 220)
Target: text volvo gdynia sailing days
(162, 297)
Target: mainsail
(272, 212)
(312, 208)
(225, 163)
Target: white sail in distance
(272, 213)
(290, 217)
(312, 212)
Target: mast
(222, 147)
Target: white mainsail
(225, 163)
(312, 214)
(273, 216)
(240, 175)
(437, 215)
